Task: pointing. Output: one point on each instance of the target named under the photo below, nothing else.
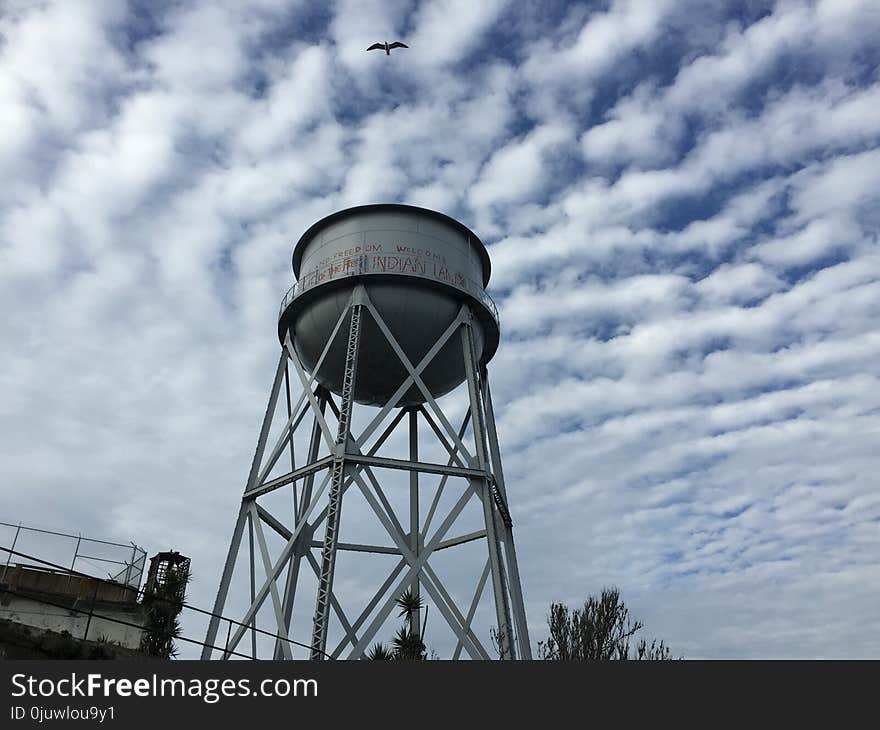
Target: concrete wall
(38, 615)
(54, 601)
(50, 582)
(24, 642)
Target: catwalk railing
(362, 264)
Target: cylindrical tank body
(418, 267)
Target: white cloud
(739, 284)
(638, 130)
(519, 170)
(684, 256)
(447, 30)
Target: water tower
(389, 313)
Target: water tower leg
(489, 499)
(308, 484)
(414, 541)
(235, 543)
(519, 610)
(340, 470)
(225, 579)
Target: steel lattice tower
(390, 315)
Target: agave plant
(410, 604)
(408, 643)
(161, 609)
(380, 652)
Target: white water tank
(418, 267)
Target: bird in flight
(386, 46)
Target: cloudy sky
(680, 202)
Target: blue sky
(680, 202)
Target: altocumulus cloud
(680, 200)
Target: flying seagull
(386, 46)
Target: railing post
(75, 554)
(14, 540)
(91, 609)
(129, 565)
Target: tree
(600, 631)
(408, 643)
(162, 605)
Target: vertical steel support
(414, 529)
(235, 543)
(519, 609)
(290, 436)
(502, 607)
(339, 472)
(250, 524)
(305, 500)
(225, 580)
(294, 566)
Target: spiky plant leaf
(380, 652)
(409, 603)
(408, 644)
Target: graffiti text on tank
(406, 260)
(354, 251)
(425, 252)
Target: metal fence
(118, 562)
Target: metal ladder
(328, 550)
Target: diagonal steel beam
(278, 567)
(463, 628)
(267, 566)
(375, 447)
(279, 527)
(413, 570)
(450, 449)
(481, 584)
(289, 427)
(413, 372)
(306, 385)
(284, 439)
(417, 380)
(442, 485)
(383, 589)
(417, 565)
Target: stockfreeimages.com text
(209, 690)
